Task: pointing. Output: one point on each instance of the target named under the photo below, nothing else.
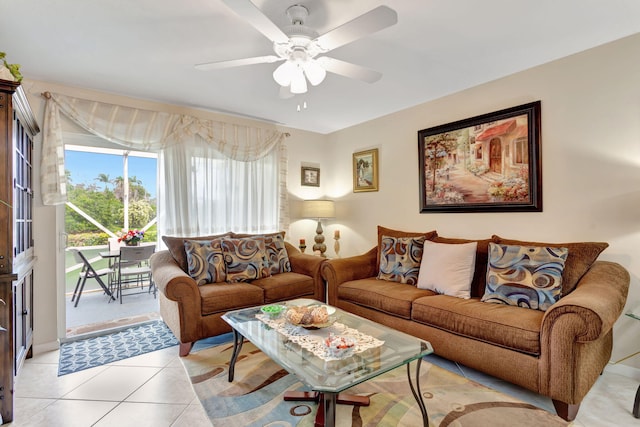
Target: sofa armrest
(581, 320)
(598, 300)
(340, 270)
(171, 280)
(308, 265)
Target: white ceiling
(147, 49)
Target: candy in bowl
(274, 310)
(340, 346)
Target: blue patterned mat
(91, 352)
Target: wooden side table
(636, 401)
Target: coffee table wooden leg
(417, 394)
(238, 340)
(301, 396)
(314, 396)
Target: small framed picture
(310, 176)
(365, 171)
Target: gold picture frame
(365, 171)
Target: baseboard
(46, 347)
(624, 370)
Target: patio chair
(88, 272)
(133, 267)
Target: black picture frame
(487, 163)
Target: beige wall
(590, 164)
(590, 170)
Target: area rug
(91, 352)
(255, 397)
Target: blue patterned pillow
(277, 255)
(524, 276)
(400, 259)
(245, 259)
(205, 262)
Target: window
(520, 151)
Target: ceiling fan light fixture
(285, 73)
(298, 82)
(314, 72)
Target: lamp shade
(298, 82)
(318, 209)
(285, 73)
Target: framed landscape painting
(488, 163)
(365, 171)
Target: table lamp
(319, 209)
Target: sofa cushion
(447, 268)
(581, 256)
(383, 231)
(285, 286)
(502, 325)
(524, 276)
(277, 255)
(389, 297)
(245, 258)
(400, 259)
(205, 261)
(482, 256)
(222, 297)
(175, 245)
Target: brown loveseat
(194, 312)
(558, 353)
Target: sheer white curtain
(214, 176)
(219, 194)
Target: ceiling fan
(300, 46)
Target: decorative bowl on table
(273, 310)
(311, 316)
(340, 346)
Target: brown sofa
(194, 312)
(558, 353)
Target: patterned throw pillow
(245, 259)
(205, 262)
(400, 259)
(277, 255)
(525, 276)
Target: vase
(132, 243)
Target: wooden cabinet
(17, 130)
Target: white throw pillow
(448, 268)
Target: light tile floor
(153, 390)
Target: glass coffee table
(300, 351)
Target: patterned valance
(141, 130)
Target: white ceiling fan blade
(237, 62)
(372, 21)
(254, 16)
(348, 69)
